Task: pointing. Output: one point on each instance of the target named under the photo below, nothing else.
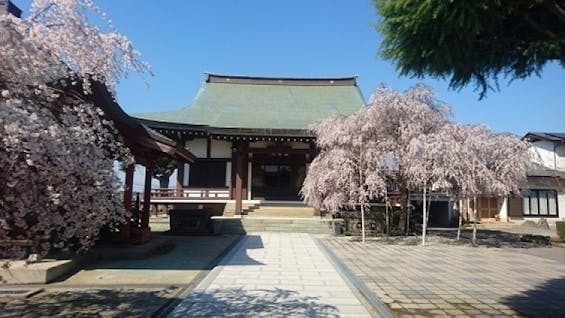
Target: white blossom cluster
(408, 138)
(57, 184)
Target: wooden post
(146, 197)
(125, 230)
(180, 177)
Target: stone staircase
(290, 217)
(279, 210)
(245, 224)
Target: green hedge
(560, 228)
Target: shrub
(537, 239)
(560, 229)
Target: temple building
(251, 137)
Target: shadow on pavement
(485, 238)
(490, 238)
(188, 253)
(257, 303)
(89, 303)
(545, 300)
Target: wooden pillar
(146, 197)
(125, 228)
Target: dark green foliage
(472, 41)
(560, 228)
(537, 239)
(162, 170)
(375, 222)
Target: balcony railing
(192, 194)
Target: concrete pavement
(124, 288)
(273, 275)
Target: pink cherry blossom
(57, 183)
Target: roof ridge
(268, 80)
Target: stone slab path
(459, 281)
(273, 275)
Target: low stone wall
(45, 271)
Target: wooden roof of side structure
(240, 105)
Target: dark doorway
(277, 181)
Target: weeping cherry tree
(347, 171)
(57, 184)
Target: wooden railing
(192, 194)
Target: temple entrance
(277, 181)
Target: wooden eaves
(145, 144)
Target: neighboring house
(251, 137)
(545, 195)
(546, 182)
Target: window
(207, 174)
(540, 203)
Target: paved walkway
(273, 275)
(126, 288)
(441, 280)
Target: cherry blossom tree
(400, 118)
(468, 161)
(347, 171)
(502, 163)
(57, 184)
(408, 137)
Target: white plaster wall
(197, 147)
(186, 175)
(228, 174)
(560, 151)
(546, 153)
(503, 211)
(220, 149)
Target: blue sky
(314, 38)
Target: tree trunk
(363, 223)
(474, 221)
(460, 221)
(407, 214)
(387, 226)
(163, 182)
(424, 217)
(429, 206)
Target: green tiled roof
(265, 103)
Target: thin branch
(47, 7)
(555, 8)
(538, 27)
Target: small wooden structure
(146, 145)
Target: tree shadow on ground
(490, 238)
(188, 253)
(90, 303)
(545, 300)
(237, 302)
(485, 238)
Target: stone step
(236, 225)
(296, 210)
(281, 214)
